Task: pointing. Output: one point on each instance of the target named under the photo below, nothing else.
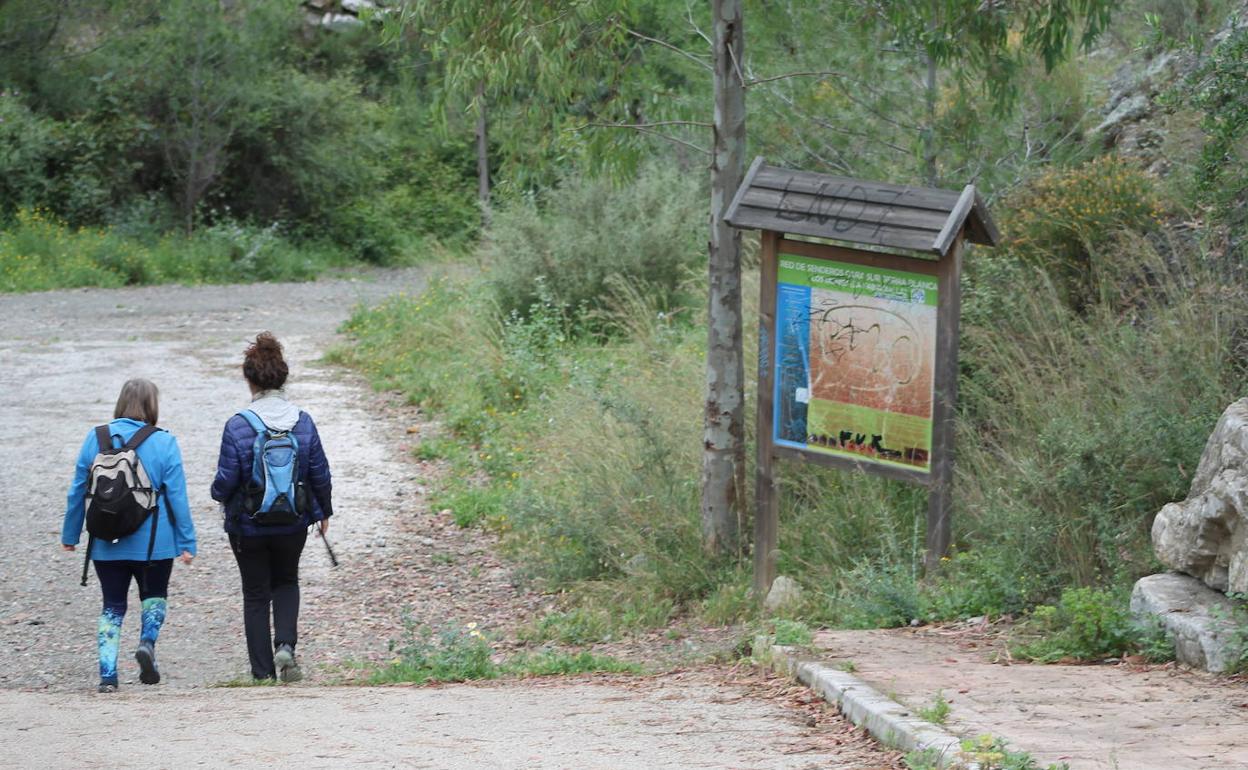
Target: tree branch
(644, 128)
(815, 73)
(698, 30)
(656, 124)
(670, 47)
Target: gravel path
(63, 357)
(685, 721)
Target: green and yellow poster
(855, 361)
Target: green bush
(463, 653)
(1221, 92)
(457, 654)
(586, 236)
(27, 143)
(1085, 624)
(39, 251)
(1062, 220)
(792, 633)
(985, 752)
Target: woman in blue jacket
(268, 551)
(118, 562)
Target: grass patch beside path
(462, 654)
(39, 252)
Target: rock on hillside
(1132, 120)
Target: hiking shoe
(146, 657)
(106, 686)
(284, 660)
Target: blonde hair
(138, 401)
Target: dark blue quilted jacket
(234, 468)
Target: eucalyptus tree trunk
(930, 176)
(929, 91)
(483, 151)
(723, 456)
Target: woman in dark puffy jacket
(267, 544)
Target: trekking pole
(332, 559)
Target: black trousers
(115, 577)
(269, 567)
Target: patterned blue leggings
(115, 577)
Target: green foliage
(598, 619)
(39, 252)
(792, 633)
(188, 114)
(474, 505)
(1235, 636)
(246, 682)
(938, 712)
(561, 663)
(1221, 92)
(463, 653)
(1063, 220)
(1172, 24)
(985, 752)
(457, 654)
(978, 43)
(27, 142)
(1088, 624)
(729, 602)
(588, 239)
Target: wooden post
(944, 400)
(767, 501)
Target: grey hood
(274, 410)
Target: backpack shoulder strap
(253, 420)
(103, 438)
(139, 437)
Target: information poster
(855, 361)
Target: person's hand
(68, 547)
(324, 526)
(186, 558)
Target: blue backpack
(274, 495)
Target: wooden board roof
(858, 211)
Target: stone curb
(884, 718)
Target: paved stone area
(1097, 717)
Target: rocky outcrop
(1206, 535)
(1134, 120)
(339, 15)
(1199, 620)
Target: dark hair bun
(263, 364)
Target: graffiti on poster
(855, 361)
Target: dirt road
(63, 357)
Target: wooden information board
(858, 345)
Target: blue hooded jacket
(162, 460)
(234, 465)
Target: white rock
(1131, 108)
(1204, 536)
(1196, 618)
(340, 21)
(785, 592)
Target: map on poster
(855, 361)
